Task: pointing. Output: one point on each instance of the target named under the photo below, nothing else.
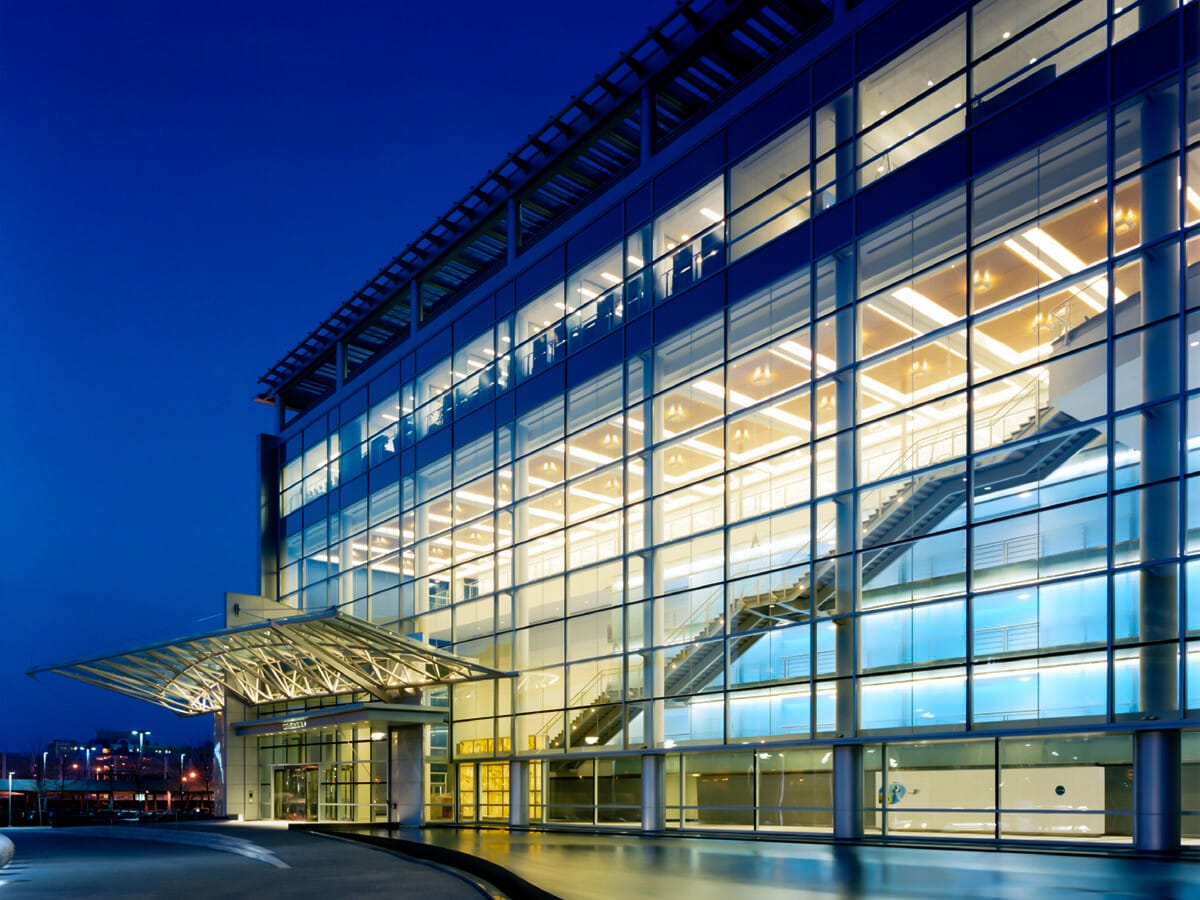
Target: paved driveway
(215, 861)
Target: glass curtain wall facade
(930, 492)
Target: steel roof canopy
(703, 51)
(300, 656)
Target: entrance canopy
(278, 659)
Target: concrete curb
(6, 851)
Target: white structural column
(240, 762)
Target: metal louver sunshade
(277, 659)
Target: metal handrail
(583, 696)
(901, 464)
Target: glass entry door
(296, 793)
(483, 792)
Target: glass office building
(801, 425)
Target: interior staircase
(915, 508)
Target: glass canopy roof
(277, 659)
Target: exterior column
(269, 517)
(406, 775)
(847, 792)
(220, 763)
(847, 760)
(654, 675)
(843, 111)
(1157, 753)
(239, 767)
(654, 805)
(518, 793)
(339, 363)
(647, 124)
(1156, 764)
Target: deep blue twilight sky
(186, 189)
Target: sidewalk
(588, 866)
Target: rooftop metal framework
(278, 659)
(700, 54)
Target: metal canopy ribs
(277, 659)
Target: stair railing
(953, 433)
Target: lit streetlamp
(141, 736)
(10, 776)
(42, 787)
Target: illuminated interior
(900, 491)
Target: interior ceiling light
(1124, 220)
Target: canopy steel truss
(278, 659)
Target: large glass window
(689, 240)
(928, 483)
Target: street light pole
(141, 745)
(42, 789)
(10, 776)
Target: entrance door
(296, 793)
(483, 792)
(493, 792)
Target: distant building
(794, 436)
(110, 772)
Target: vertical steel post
(1157, 753)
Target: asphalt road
(137, 861)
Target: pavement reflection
(584, 866)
